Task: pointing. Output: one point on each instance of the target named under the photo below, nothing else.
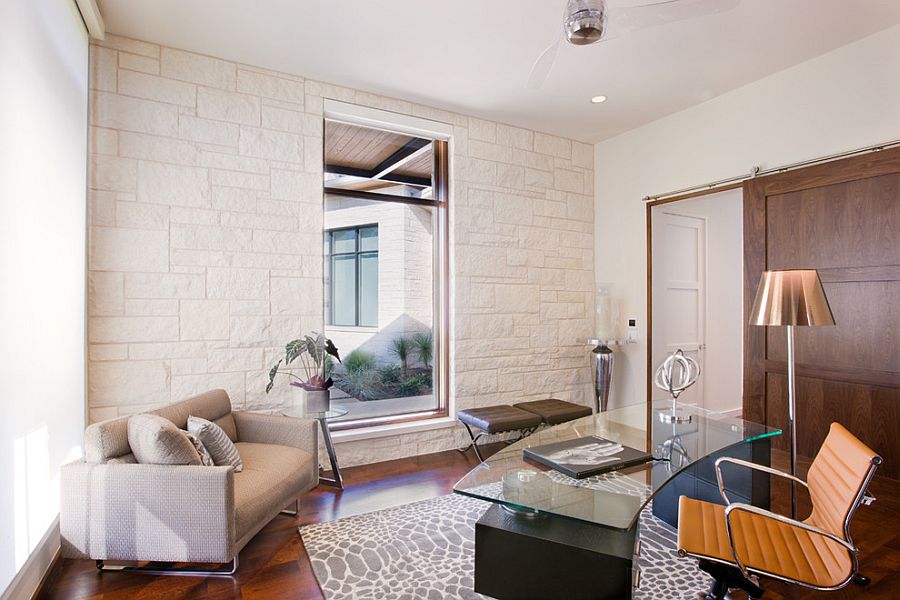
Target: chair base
(726, 577)
(160, 568)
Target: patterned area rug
(426, 550)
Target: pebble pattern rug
(426, 550)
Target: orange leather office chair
(737, 540)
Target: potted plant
(312, 351)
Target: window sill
(352, 328)
(393, 429)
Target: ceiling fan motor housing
(585, 21)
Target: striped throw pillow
(205, 457)
(214, 438)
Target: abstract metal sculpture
(677, 373)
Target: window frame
(357, 254)
(440, 134)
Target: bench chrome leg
(161, 568)
(473, 444)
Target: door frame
(702, 298)
(649, 221)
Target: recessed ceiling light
(598, 99)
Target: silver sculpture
(677, 373)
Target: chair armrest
(261, 428)
(147, 512)
(749, 465)
(740, 506)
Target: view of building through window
(380, 279)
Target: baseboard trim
(31, 577)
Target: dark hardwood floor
(275, 564)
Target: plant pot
(317, 401)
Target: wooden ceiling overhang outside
(371, 159)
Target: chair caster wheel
(861, 580)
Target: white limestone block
(117, 249)
(178, 185)
(204, 320)
(112, 173)
(161, 89)
(105, 330)
(133, 114)
(553, 145)
(228, 106)
(124, 44)
(106, 294)
(238, 284)
(196, 68)
(296, 296)
(137, 62)
(269, 86)
(138, 215)
(104, 64)
(208, 131)
(126, 383)
(274, 145)
(164, 285)
(235, 359)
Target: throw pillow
(222, 449)
(205, 458)
(155, 440)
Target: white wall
(43, 158)
(722, 360)
(845, 99)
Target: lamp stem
(792, 415)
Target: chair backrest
(837, 479)
(107, 441)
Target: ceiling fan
(590, 21)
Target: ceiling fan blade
(542, 66)
(626, 19)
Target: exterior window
(385, 274)
(352, 288)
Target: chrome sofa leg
(295, 512)
(158, 568)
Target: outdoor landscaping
(361, 377)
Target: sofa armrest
(147, 512)
(261, 428)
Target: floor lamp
(793, 298)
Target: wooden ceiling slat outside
(365, 148)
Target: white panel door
(679, 293)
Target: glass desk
(544, 510)
(299, 411)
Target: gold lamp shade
(792, 297)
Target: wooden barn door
(842, 218)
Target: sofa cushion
(273, 476)
(216, 441)
(107, 440)
(157, 441)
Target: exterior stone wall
(405, 276)
(206, 241)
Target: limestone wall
(206, 240)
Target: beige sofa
(115, 509)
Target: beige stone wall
(205, 240)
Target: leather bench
(524, 417)
(553, 411)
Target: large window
(385, 272)
(352, 278)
